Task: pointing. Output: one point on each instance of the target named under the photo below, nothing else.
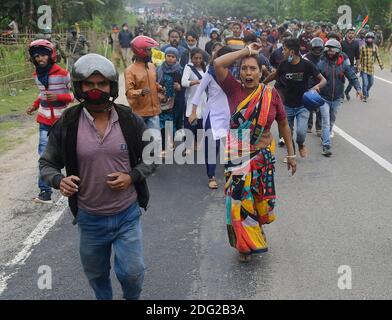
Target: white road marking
(387, 81)
(371, 154)
(31, 241)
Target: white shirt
(187, 77)
(217, 106)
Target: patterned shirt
(368, 56)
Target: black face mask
(97, 100)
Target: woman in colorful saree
(250, 148)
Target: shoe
(327, 152)
(303, 152)
(309, 130)
(284, 160)
(348, 96)
(318, 132)
(212, 184)
(44, 197)
(332, 135)
(365, 100)
(281, 142)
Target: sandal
(212, 184)
(244, 257)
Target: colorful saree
(250, 188)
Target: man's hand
(30, 110)
(316, 88)
(69, 186)
(146, 91)
(177, 86)
(119, 181)
(194, 82)
(51, 96)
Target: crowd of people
(173, 83)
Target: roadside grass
(386, 58)
(14, 129)
(14, 105)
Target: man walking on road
(100, 145)
(351, 47)
(368, 55)
(296, 73)
(54, 84)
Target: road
(335, 212)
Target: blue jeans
(329, 111)
(152, 122)
(301, 115)
(350, 86)
(43, 141)
(367, 83)
(123, 232)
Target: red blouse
(236, 93)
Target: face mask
(192, 47)
(96, 100)
(290, 59)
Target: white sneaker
(332, 135)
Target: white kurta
(217, 106)
(190, 92)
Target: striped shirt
(368, 56)
(60, 85)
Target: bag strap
(195, 71)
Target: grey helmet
(370, 35)
(334, 44)
(317, 46)
(90, 64)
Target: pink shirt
(236, 93)
(96, 159)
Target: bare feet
(303, 151)
(244, 257)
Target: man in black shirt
(296, 72)
(351, 48)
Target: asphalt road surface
(335, 212)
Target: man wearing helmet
(314, 56)
(54, 84)
(334, 68)
(141, 87)
(368, 55)
(100, 145)
(350, 47)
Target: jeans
(152, 122)
(43, 141)
(329, 111)
(318, 120)
(367, 83)
(350, 86)
(301, 115)
(194, 130)
(211, 165)
(123, 232)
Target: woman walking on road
(250, 187)
(216, 115)
(191, 79)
